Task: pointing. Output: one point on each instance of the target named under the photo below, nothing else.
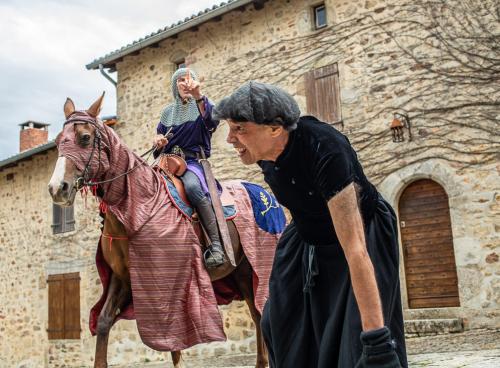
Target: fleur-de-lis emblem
(268, 203)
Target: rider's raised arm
(207, 106)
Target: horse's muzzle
(63, 193)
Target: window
(180, 64)
(63, 219)
(319, 16)
(64, 306)
(323, 94)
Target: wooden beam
(110, 122)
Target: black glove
(379, 350)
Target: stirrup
(214, 257)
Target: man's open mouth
(241, 151)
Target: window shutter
(311, 99)
(56, 307)
(63, 219)
(323, 94)
(72, 306)
(64, 306)
(57, 215)
(69, 218)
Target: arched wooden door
(430, 268)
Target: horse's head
(83, 153)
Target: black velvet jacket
(317, 163)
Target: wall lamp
(400, 122)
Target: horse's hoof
(180, 365)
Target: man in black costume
(334, 288)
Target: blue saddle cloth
(229, 211)
(267, 212)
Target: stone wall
(389, 61)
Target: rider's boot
(214, 254)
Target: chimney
(33, 134)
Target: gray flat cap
(259, 103)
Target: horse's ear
(69, 107)
(95, 109)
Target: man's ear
(276, 130)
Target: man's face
(182, 86)
(253, 142)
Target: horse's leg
(117, 297)
(176, 359)
(244, 279)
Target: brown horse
(70, 176)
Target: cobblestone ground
(471, 349)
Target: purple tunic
(190, 136)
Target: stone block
(422, 327)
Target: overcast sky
(45, 46)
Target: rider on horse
(185, 128)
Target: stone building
(426, 69)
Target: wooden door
(429, 259)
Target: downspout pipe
(106, 75)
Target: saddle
(174, 166)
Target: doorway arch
(427, 241)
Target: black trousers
(311, 319)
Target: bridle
(85, 179)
